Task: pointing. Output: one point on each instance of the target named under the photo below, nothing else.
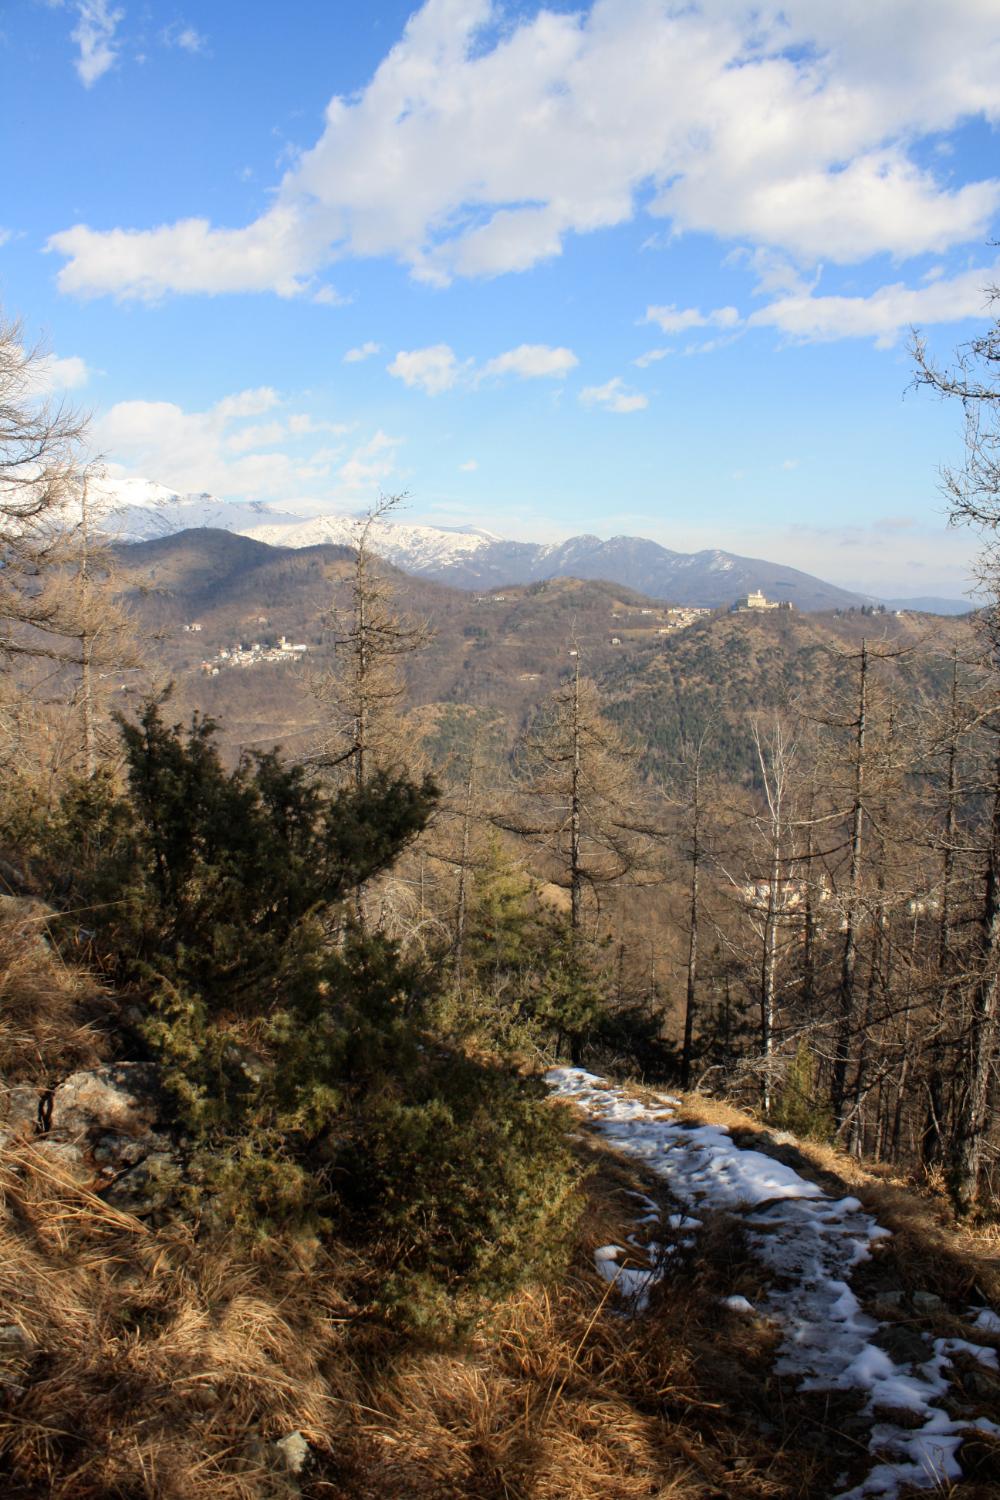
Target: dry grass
(148, 1365)
(48, 1011)
(145, 1364)
(560, 1397)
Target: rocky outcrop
(104, 1124)
(110, 1110)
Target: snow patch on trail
(810, 1244)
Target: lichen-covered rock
(119, 1099)
(105, 1118)
(65, 1155)
(26, 918)
(19, 1105)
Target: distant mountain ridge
(471, 558)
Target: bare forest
(342, 862)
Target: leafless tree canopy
(60, 617)
(371, 639)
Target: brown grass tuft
(48, 1011)
(144, 1364)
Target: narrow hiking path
(809, 1243)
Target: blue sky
(627, 267)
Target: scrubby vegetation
(323, 1231)
(297, 1049)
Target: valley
(665, 674)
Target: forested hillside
(316, 876)
(503, 655)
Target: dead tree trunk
(849, 959)
(696, 813)
(931, 1141)
(972, 1113)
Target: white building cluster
(253, 656)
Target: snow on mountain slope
(140, 509)
(137, 510)
(471, 558)
(417, 549)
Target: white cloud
(301, 423)
(328, 296)
(484, 138)
(94, 35)
(708, 346)
(363, 351)
(469, 467)
(614, 396)
(51, 374)
(5, 235)
(678, 319)
(643, 361)
(437, 368)
(187, 38)
(371, 464)
(773, 271)
(531, 362)
(883, 315)
(249, 403)
(219, 450)
(191, 450)
(189, 256)
(434, 369)
(255, 435)
(790, 463)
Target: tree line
(824, 940)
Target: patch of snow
(987, 1320)
(944, 1348)
(632, 1283)
(810, 1243)
(737, 1303)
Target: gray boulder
(107, 1117)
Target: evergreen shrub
(298, 1049)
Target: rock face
(103, 1120)
(107, 1126)
(117, 1101)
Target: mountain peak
(471, 557)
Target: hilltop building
(756, 600)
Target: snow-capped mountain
(416, 549)
(710, 578)
(136, 510)
(470, 558)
